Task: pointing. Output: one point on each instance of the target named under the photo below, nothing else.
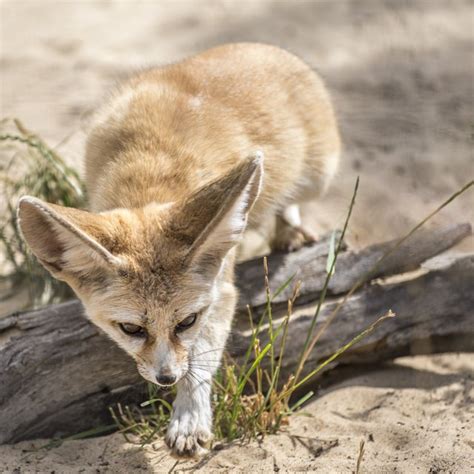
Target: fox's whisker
(207, 352)
(198, 379)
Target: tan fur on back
(169, 130)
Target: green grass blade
(283, 287)
(156, 400)
(301, 401)
(253, 367)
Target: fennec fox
(179, 162)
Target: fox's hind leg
(290, 234)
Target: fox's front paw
(188, 435)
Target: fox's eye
(132, 329)
(186, 323)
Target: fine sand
(401, 74)
(415, 415)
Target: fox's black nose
(166, 379)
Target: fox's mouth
(167, 380)
(166, 385)
(162, 381)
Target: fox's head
(150, 277)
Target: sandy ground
(401, 74)
(415, 415)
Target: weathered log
(309, 265)
(434, 313)
(58, 373)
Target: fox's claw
(186, 438)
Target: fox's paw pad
(185, 439)
(289, 239)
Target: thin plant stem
(361, 455)
(307, 345)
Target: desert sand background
(402, 77)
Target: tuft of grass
(147, 421)
(30, 166)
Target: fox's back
(174, 128)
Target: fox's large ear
(65, 240)
(211, 221)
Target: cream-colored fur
(180, 161)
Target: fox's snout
(166, 375)
(163, 364)
(162, 375)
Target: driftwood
(309, 266)
(58, 373)
(434, 313)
